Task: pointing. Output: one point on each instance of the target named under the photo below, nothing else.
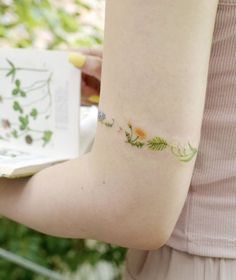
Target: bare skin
(154, 76)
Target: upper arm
(154, 76)
(125, 192)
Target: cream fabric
(167, 263)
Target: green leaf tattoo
(131, 139)
(136, 136)
(184, 154)
(157, 144)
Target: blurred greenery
(58, 254)
(23, 22)
(49, 24)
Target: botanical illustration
(9, 153)
(136, 136)
(27, 100)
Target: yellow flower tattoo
(136, 136)
(140, 133)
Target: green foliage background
(22, 22)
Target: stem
(131, 133)
(31, 69)
(23, 69)
(133, 140)
(173, 151)
(33, 89)
(49, 90)
(36, 100)
(34, 84)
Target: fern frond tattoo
(184, 154)
(157, 144)
(136, 136)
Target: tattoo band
(137, 137)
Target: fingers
(91, 81)
(96, 51)
(89, 94)
(91, 97)
(89, 64)
(92, 66)
(92, 51)
(90, 90)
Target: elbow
(143, 237)
(146, 237)
(147, 242)
(140, 231)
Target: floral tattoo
(137, 137)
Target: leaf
(11, 63)
(157, 144)
(24, 121)
(47, 135)
(128, 136)
(12, 73)
(14, 133)
(184, 155)
(17, 83)
(109, 124)
(17, 107)
(139, 144)
(22, 93)
(34, 113)
(15, 91)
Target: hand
(89, 61)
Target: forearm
(40, 201)
(65, 200)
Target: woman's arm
(130, 191)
